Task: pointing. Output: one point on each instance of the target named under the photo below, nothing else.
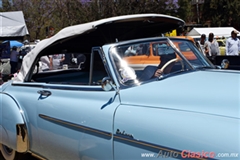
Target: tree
(38, 15)
(185, 10)
(6, 6)
(222, 13)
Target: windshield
(141, 61)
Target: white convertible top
(164, 23)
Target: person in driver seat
(167, 61)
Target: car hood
(214, 92)
(85, 36)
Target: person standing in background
(50, 32)
(56, 61)
(14, 59)
(213, 48)
(233, 44)
(204, 46)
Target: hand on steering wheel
(158, 73)
(167, 64)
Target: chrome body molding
(37, 156)
(81, 127)
(160, 150)
(123, 138)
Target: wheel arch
(13, 125)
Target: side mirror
(107, 84)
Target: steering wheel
(168, 63)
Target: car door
(74, 118)
(76, 121)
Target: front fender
(166, 133)
(12, 124)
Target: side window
(158, 48)
(143, 49)
(98, 69)
(138, 50)
(70, 68)
(184, 47)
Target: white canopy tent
(12, 24)
(217, 31)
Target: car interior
(77, 71)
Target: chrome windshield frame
(180, 53)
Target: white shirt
(214, 43)
(56, 60)
(45, 63)
(232, 46)
(203, 47)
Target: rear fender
(12, 125)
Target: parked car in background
(25, 49)
(110, 110)
(222, 46)
(142, 55)
(234, 61)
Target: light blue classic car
(99, 103)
